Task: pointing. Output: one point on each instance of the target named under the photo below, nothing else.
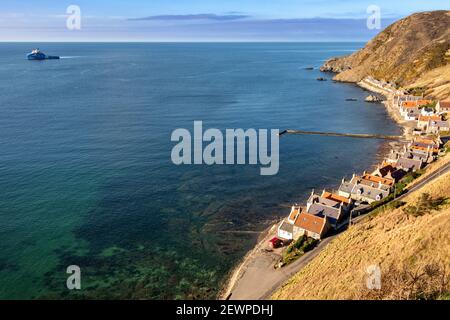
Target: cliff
(412, 53)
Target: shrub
(309, 244)
(299, 242)
(298, 248)
(425, 205)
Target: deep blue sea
(86, 176)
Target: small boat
(37, 54)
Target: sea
(87, 180)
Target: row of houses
(429, 115)
(327, 210)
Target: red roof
(444, 104)
(311, 222)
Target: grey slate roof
(374, 184)
(322, 210)
(364, 190)
(370, 192)
(327, 202)
(406, 163)
(346, 186)
(417, 155)
(286, 226)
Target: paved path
(259, 279)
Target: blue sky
(201, 20)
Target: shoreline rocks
(372, 98)
(335, 65)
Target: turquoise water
(86, 176)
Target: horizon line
(181, 41)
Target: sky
(201, 20)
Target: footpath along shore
(255, 277)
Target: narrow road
(436, 174)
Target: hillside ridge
(413, 53)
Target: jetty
(350, 135)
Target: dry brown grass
(436, 82)
(392, 239)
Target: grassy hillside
(407, 53)
(410, 243)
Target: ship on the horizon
(37, 54)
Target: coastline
(236, 274)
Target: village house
(415, 103)
(410, 114)
(329, 199)
(434, 142)
(422, 155)
(399, 99)
(423, 145)
(435, 127)
(310, 225)
(363, 190)
(409, 164)
(443, 106)
(286, 230)
(409, 110)
(333, 214)
(413, 156)
(380, 182)
(295, 211)
(346, 202)
(330, 205)
(304, 224)
(390, 171)
(423, 121)
(427, 111)
(392, 157)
